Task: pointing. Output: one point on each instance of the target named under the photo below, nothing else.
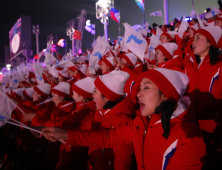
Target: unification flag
(115, 14)
(90, 27)
(156, 13)
(77, 35)
(140, 3)
(62, 43)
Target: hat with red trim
(168, 49)
(171, 83)
(43, 89)
(84, 87)
(62, 89)
(112, 85)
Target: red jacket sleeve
(102, 139)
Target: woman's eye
(146, 88)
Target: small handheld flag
(77, 35)
(156, 13)
(115, 14)
(90, 27)
(140, 3)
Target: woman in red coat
(112, 111)
(205, 90)
(164, 133)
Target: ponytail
(166, 109)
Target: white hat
(219, 17)
(18, 92)
(130, 58)
(114, 52)
(84, 87)
(215, 11)
(112, 85)
(43, 89)
(172, 84)
(168, 49)
(28, 92)
(62, 89)
(194, 27)
(109, 62)
(212, 33)
(63, 73)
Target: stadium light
(103, 8)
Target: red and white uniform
(184, 148)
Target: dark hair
(166, 109)
(110, 104)
(214, 54)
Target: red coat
(205, 92)
(120, 156)
(184, 148)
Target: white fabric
(159, 32)
(38, 73)
(170, 47)
(63, 87)
(115, 81)
(177, 79)
(195, 27)
(215, 31)
(131, 57)
(215, 11)
(134, 41)
(64, 73)
(7, 106)
(29, 92)
(45, 88)
(86, 84)
(110, 59)
(19, 91)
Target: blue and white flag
(134, 41)
(156, 13)
(90, 27)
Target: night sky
(52, 16)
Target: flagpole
(119, 24)
(95, 33)
(144, 14)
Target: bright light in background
(88, 22)
(205, 10)
(187, 19)
(103, 3)
(0, 73)
(8, 66)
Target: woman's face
(72, 73)
(77, 97)
(149, 97)
(190, 33)
(60, 79)
(57, 99)
(104, 68)
(99, 99)
(200, 45)
(218, 23)
(36, 96)
(159, 57)
(164, 39)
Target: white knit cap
(130, 58)
(43, 89)
(18, 92)
(109, 62)
(62, 89)
(215, 11)
(112, 85)
(28, 92)
(63, 73)
(172, 83)
(212, 33)
(114, 53)
(84, 87)
(168, 49)
(194, 27)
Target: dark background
(52, 16)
